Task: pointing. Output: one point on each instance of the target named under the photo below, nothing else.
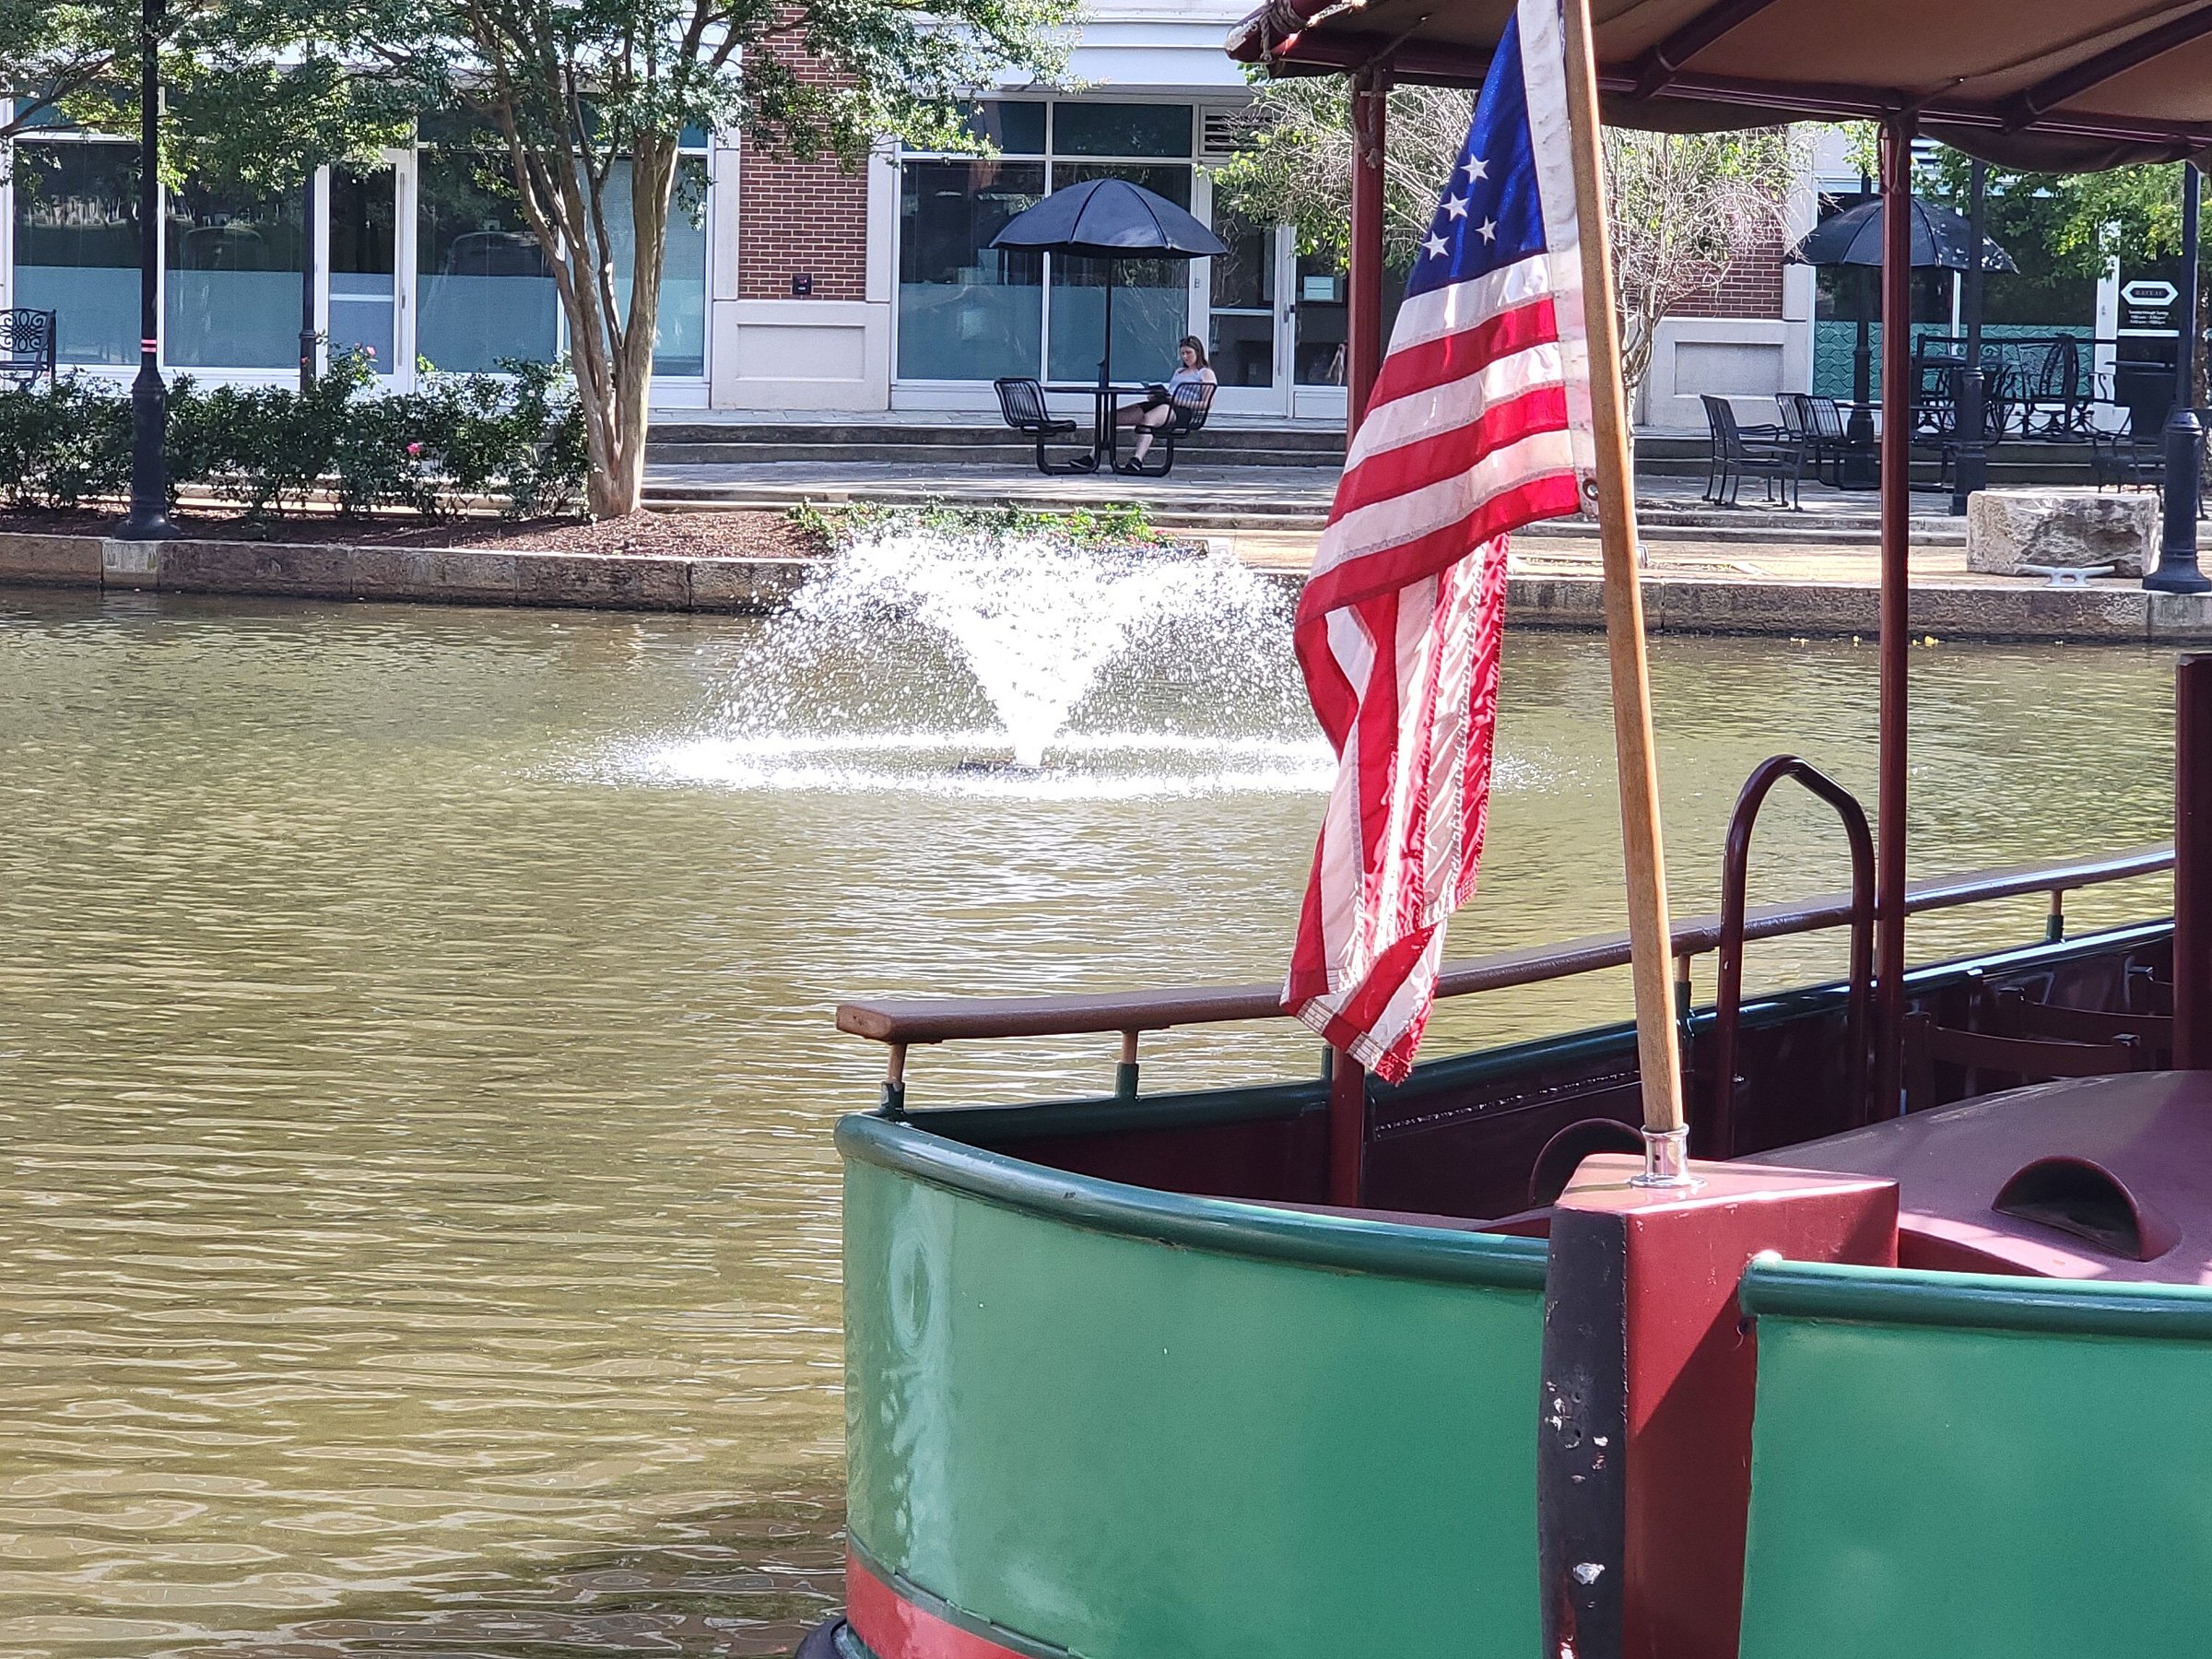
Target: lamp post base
(2177, 570)
(148, 517)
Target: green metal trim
(1495, 1261)
(1981, 1301)
(937, 1607)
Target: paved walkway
(1226, 497)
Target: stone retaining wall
(2119, 615)
(454, 576)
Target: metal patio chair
(1021, 403)
(28, 345)
(1768, 452)
(1189, 403)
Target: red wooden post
(1347, 1129)
(1370, 103)
(1896, 641)
(2193, 864)
(1644, 1444)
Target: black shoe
(1128, 469)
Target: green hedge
(516, 440)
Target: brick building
(795, 285)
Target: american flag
(1479, 424)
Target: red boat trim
(896, 1619)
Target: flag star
(1456, 206)
(1435, 246)
(1476, 168)
(1488, 230)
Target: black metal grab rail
(1736, 863)
(902, 1022)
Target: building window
(76, 245)
(967, 310)
(234, 277)
(680, 347)
(484, 292)
(969, 313)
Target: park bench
(27, 347)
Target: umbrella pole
(1106, 358)
(1665, 1134)
(1897, 521)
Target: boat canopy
(2058, 85)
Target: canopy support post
(1658, 1046)
(1363, 344)
(1897, 526)
(2193, 864)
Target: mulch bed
(735, 535)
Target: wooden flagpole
(1650, 936)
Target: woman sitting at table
(1158, 407)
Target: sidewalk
(1201, 497)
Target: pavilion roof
(2056, 83)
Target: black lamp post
(2178, 571)
(148, 517)
(1971, 472)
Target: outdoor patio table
(1106, 397)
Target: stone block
(747, 586)
(451, 575)
(130, 564)
(2086, 614)
(2071, 529)
(50, 560)
(2180, 618)
(1694, 605)
(232, 567)
(602, 581)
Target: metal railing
(905, 1022)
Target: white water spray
(1037, 619)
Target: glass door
(1320, 330)
(1244, 315)
(364, 260)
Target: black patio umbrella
(1940, 238)
(1109, 219)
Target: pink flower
(414, 450)
(369, 352)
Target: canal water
(418, 1216)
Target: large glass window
(1151, 297)
(363, 239)
(1121, 129)
(76, 245)
(233, 284)
(484, 292)
(967, 310)
(680, 346)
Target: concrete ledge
(51, 560)
(435, 575)
(758, 586)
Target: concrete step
(977, 450)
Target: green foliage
(65, 445)
(2073, 221)
(1118, 524)
(461, 441)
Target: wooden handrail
(904, 1020)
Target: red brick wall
(1750, 287)
(800, 219)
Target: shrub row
(516, 441)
